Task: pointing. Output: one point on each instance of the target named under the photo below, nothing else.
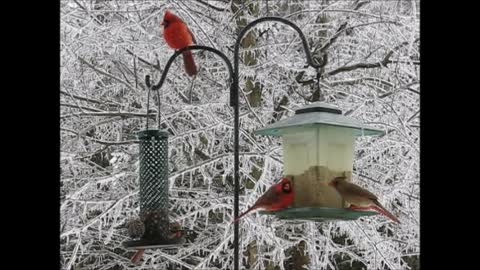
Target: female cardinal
(178, 36)
(359, 198)
(277, 197)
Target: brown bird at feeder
(176, 232)
(136, 228)
(359, 198)
(277, 197)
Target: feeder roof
(319, 114)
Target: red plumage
(277, 197)
(178, 36)
(137, 256)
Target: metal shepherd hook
(234, 101)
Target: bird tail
(138, 255)
(244, 213)
(379, 207)
(189, 63)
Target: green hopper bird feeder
(318, 145)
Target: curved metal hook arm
(276, 19)
(167, 68)
(190, 48)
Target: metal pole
(233, 102)
(236, 162)
(235, 90)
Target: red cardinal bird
(359, 198)
(277, 197)
(178, 36)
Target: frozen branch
(382, 63)
(155, 66)
(211, 6)
(80, 107)
(100, 141)
(106, 73)
(90, 99)
(113, 114)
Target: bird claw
(352, 207)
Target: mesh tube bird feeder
(156, 229)
(318, 145)
(154, 170)
(154, 197)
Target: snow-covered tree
(369, 52)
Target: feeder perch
(154, 201)
(318, 145)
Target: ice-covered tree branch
(370, 57)
(382, 63)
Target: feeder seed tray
(150, 244)
(318, 213)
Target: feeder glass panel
(320, 145)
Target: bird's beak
(162, 24)
(330, 183)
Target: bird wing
(193, 37)
(261, 202)
(359, 191)
(269, 198)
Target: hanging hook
(167, 68)
(147, 82)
